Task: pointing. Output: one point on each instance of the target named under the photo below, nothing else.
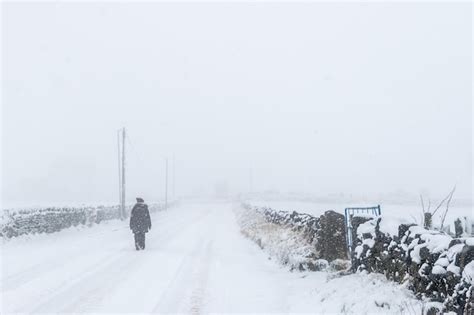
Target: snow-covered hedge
(436, 266)
(49, 220)
(301, 241)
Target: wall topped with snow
(50, 220)
(300, 240)
(436, 266)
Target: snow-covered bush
(436, 266)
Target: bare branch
(447, 206)
(445, 198)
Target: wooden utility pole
(121, 171)
(119, 152)
(166, 185)
(124, 215)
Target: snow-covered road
(196, 261)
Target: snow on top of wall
(436, 243)
(389, 225)
(453, 251)
(454, 269)
(468, 272)
(438, 270)
(415, 253)
(442, 261)
(367, 228)
(416, 229)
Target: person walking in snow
(140, 223)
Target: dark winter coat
(140, 221)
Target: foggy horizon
(313, 98)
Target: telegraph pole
(121, 171)
(123, 174)
(166, 185)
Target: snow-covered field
(395, 212)
(196, 261)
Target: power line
(121, 147)
(136, 152)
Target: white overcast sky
(320, 98)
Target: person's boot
(137, 245)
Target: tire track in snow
(199, 292)
(187, 288)
(171, 300)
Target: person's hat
(140, 199)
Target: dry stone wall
(436, 266)
(50, 220)
(304, 241)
